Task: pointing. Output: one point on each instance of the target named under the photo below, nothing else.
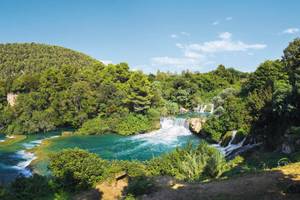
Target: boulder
(11, 99)
(196, 124)
(183, 110)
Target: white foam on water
(27, 157)
(169, 133)
(230, 147)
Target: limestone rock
(196, 124)
(183, 110)
(11, 99)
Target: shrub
(93, 126)
(189, 163)
(140, 185)
(132, 124)
(34, 187)
(76, 169)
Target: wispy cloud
(174, 36)
(223, 44)
(291, 31)
(185, 33)
(200, 54)
(215, 23)
(228, 18)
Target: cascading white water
(203, 108)
(27, 157)
(230, 147)
(212, 108)
(169, 133)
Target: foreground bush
(35, 187)
(189, 163)
(76, 169)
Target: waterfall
(212, 108)
(232, 150)
(169, 134)
(27, 157)
(203, 108)
(230, 147)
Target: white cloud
(200, 54)
(106, 62)
(179, 45)
(165, 60)
(291, 31)
(193, 55)
(224, 44)
(228, 18)
(225, 35)
(174, 36)
(185, 33)
(215, 23)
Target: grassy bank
(12, 140)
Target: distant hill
(20, 58)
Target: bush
(132, 124)
(127, 124)
(140, 185)
(76, 169)
(93, 126)
(215, 165)
(189, 163)
(34, 187)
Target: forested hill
(21, 58)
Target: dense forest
(58, 87)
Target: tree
(265, 76)
(139, 93)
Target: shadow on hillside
(268, 185)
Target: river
(174, 132)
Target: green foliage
(133, 124)
(234, 116)
(126, 124)
(76, 169)
(139, 93)
(189, 163)
(190, 89)
(291, 58)
(34, 187)
(94, 126)
(140, 185)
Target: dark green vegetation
(266, 107)
(59, 87)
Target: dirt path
(279, 183)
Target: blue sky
(158, 34)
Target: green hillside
(17, 58)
